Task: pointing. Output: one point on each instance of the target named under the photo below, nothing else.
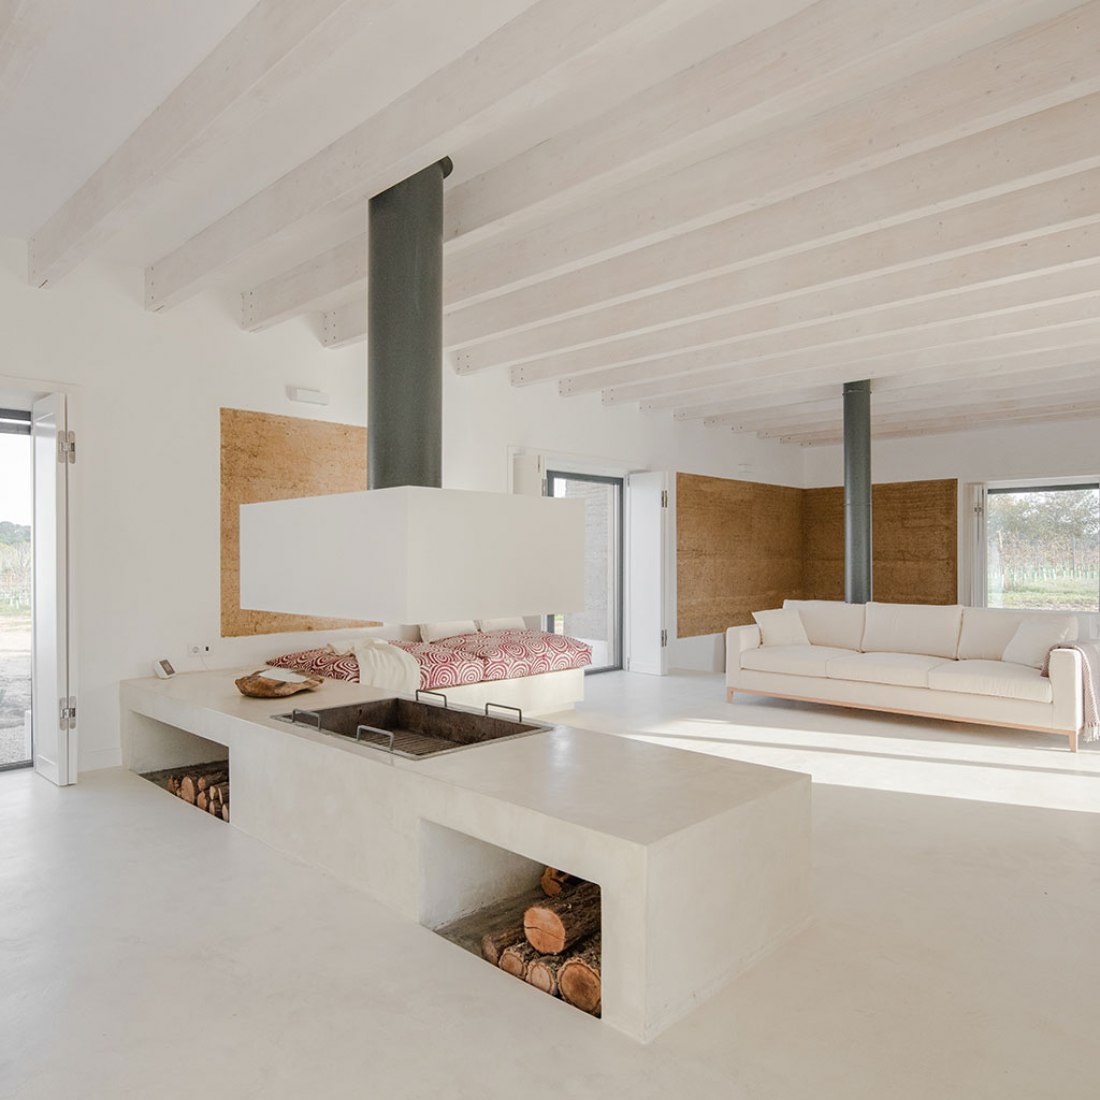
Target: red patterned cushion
(463, 659)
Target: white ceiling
(715, 209)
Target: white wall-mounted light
(413, 555)
(307, 396)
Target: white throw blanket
(383, 665)
(1090, 685)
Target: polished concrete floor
(149, 952)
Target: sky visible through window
(15, 479)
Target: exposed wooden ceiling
(718, 211)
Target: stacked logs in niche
(554, 945)
(204, 786)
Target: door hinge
(68, 713)
(66, 446)
(664, 638)
(664, 498)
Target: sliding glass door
(600, 624)
(1043, 547)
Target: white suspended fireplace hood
(413, 554)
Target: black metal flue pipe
(857, 492)
(405, 332)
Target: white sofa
(942, 662)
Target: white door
(53, 676)
(646, 563)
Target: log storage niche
(548, 937)
(204, 786)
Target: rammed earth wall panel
(915, 542)
(264, 458)
(745, 546)
(738, 550)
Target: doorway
(16, 582)
(600, 624)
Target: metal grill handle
(373, 729)
(437, 694)
(310, 713)
(504, 706)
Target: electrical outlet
(198, 649)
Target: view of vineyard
(15, 598)
(1044, 548)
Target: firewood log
(494, 942)
(174, 784)
(201, 800)
(558, 923)
(579, 977)
(221, 790)
(554, 881)
(206, 781)
(516, 959)
(225, 811)
(187, 789)
(543, 973)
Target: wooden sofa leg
(1072, 741)
(729, 695)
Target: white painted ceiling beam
(923, 315)
(1071, 412)
(346, 324)
(323, 282)
(1047, 207)
(1051, 63)
(780, 411)
(1029, 360)
(930, 182)
(1026, 357)
(806, 369)
(274, 36)
(522, 63)
(920, 403)
(1056, 319)
(804, 54)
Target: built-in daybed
(537, 671)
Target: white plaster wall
(146, 390)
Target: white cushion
(987, 630)
(795, 660)
(491, 626)
(912, 628)
(1034, 639)
(902, 669)
(830, 622)
(432, 632)
(985, 633)
(1009, 681)
(780, 627)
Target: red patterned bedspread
(463, 659)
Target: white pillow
(1034, 638)
(491, 626)
(432, 632)
(781, 627)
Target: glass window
(1043, 547)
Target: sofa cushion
(978, 677)
(781, 627)
(830, 622)
(1034, 639)
(792, 660)
(912, 628)
(987, 630)
(902, 669)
